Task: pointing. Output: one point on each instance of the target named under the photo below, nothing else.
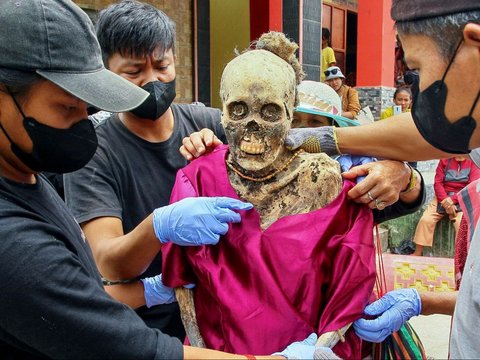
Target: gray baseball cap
(56, 39)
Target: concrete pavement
(434, 331)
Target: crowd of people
(251, 238)
(333, 76)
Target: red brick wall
(181, 12)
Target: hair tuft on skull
(278, 44)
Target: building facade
(209, 32)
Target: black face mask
(157, 103)
(56, 150)
(428, 113)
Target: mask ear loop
(451, 62)
(474, 104)
(15, 101)
(18, 107)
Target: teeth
(251, 148)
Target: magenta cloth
(256, 292)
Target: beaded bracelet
(117, 282)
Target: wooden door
(335, 19)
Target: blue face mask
(157, 103)
(428, 113)
(56, 150)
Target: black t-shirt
(129, 177)
(52, 302)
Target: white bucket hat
(333, 72)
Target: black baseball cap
(56, 39)
(406, 10)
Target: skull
(258, 95)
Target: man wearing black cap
(441, 39)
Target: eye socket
(271, 112)
(238, 110)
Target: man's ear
(471, 34)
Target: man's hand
(382, 185)
(199, 143)
(196, 221)
(395, 308)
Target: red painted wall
(265, 15)
(375, 44)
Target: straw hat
(320, 99)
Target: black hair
(402, 89)
(446, 31)
(326, 34)
(132, 28)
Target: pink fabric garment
(469, 200)
(256, 292)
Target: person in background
(350, 103)
(451, 176)
(319, 105)
(402, 97)
(328, 55)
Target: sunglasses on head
(333, 72)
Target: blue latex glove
(156, 293)
(349, 161)
(394, 308)
(300, 349)
(196, 221)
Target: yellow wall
(229, 29)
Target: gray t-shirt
(129, 177)
(465, 342)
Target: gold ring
(380, 205)
(369, 194)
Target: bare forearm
(136, 250)
(438, 303)
(397, 138)
(129, 294)
(120, 256)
